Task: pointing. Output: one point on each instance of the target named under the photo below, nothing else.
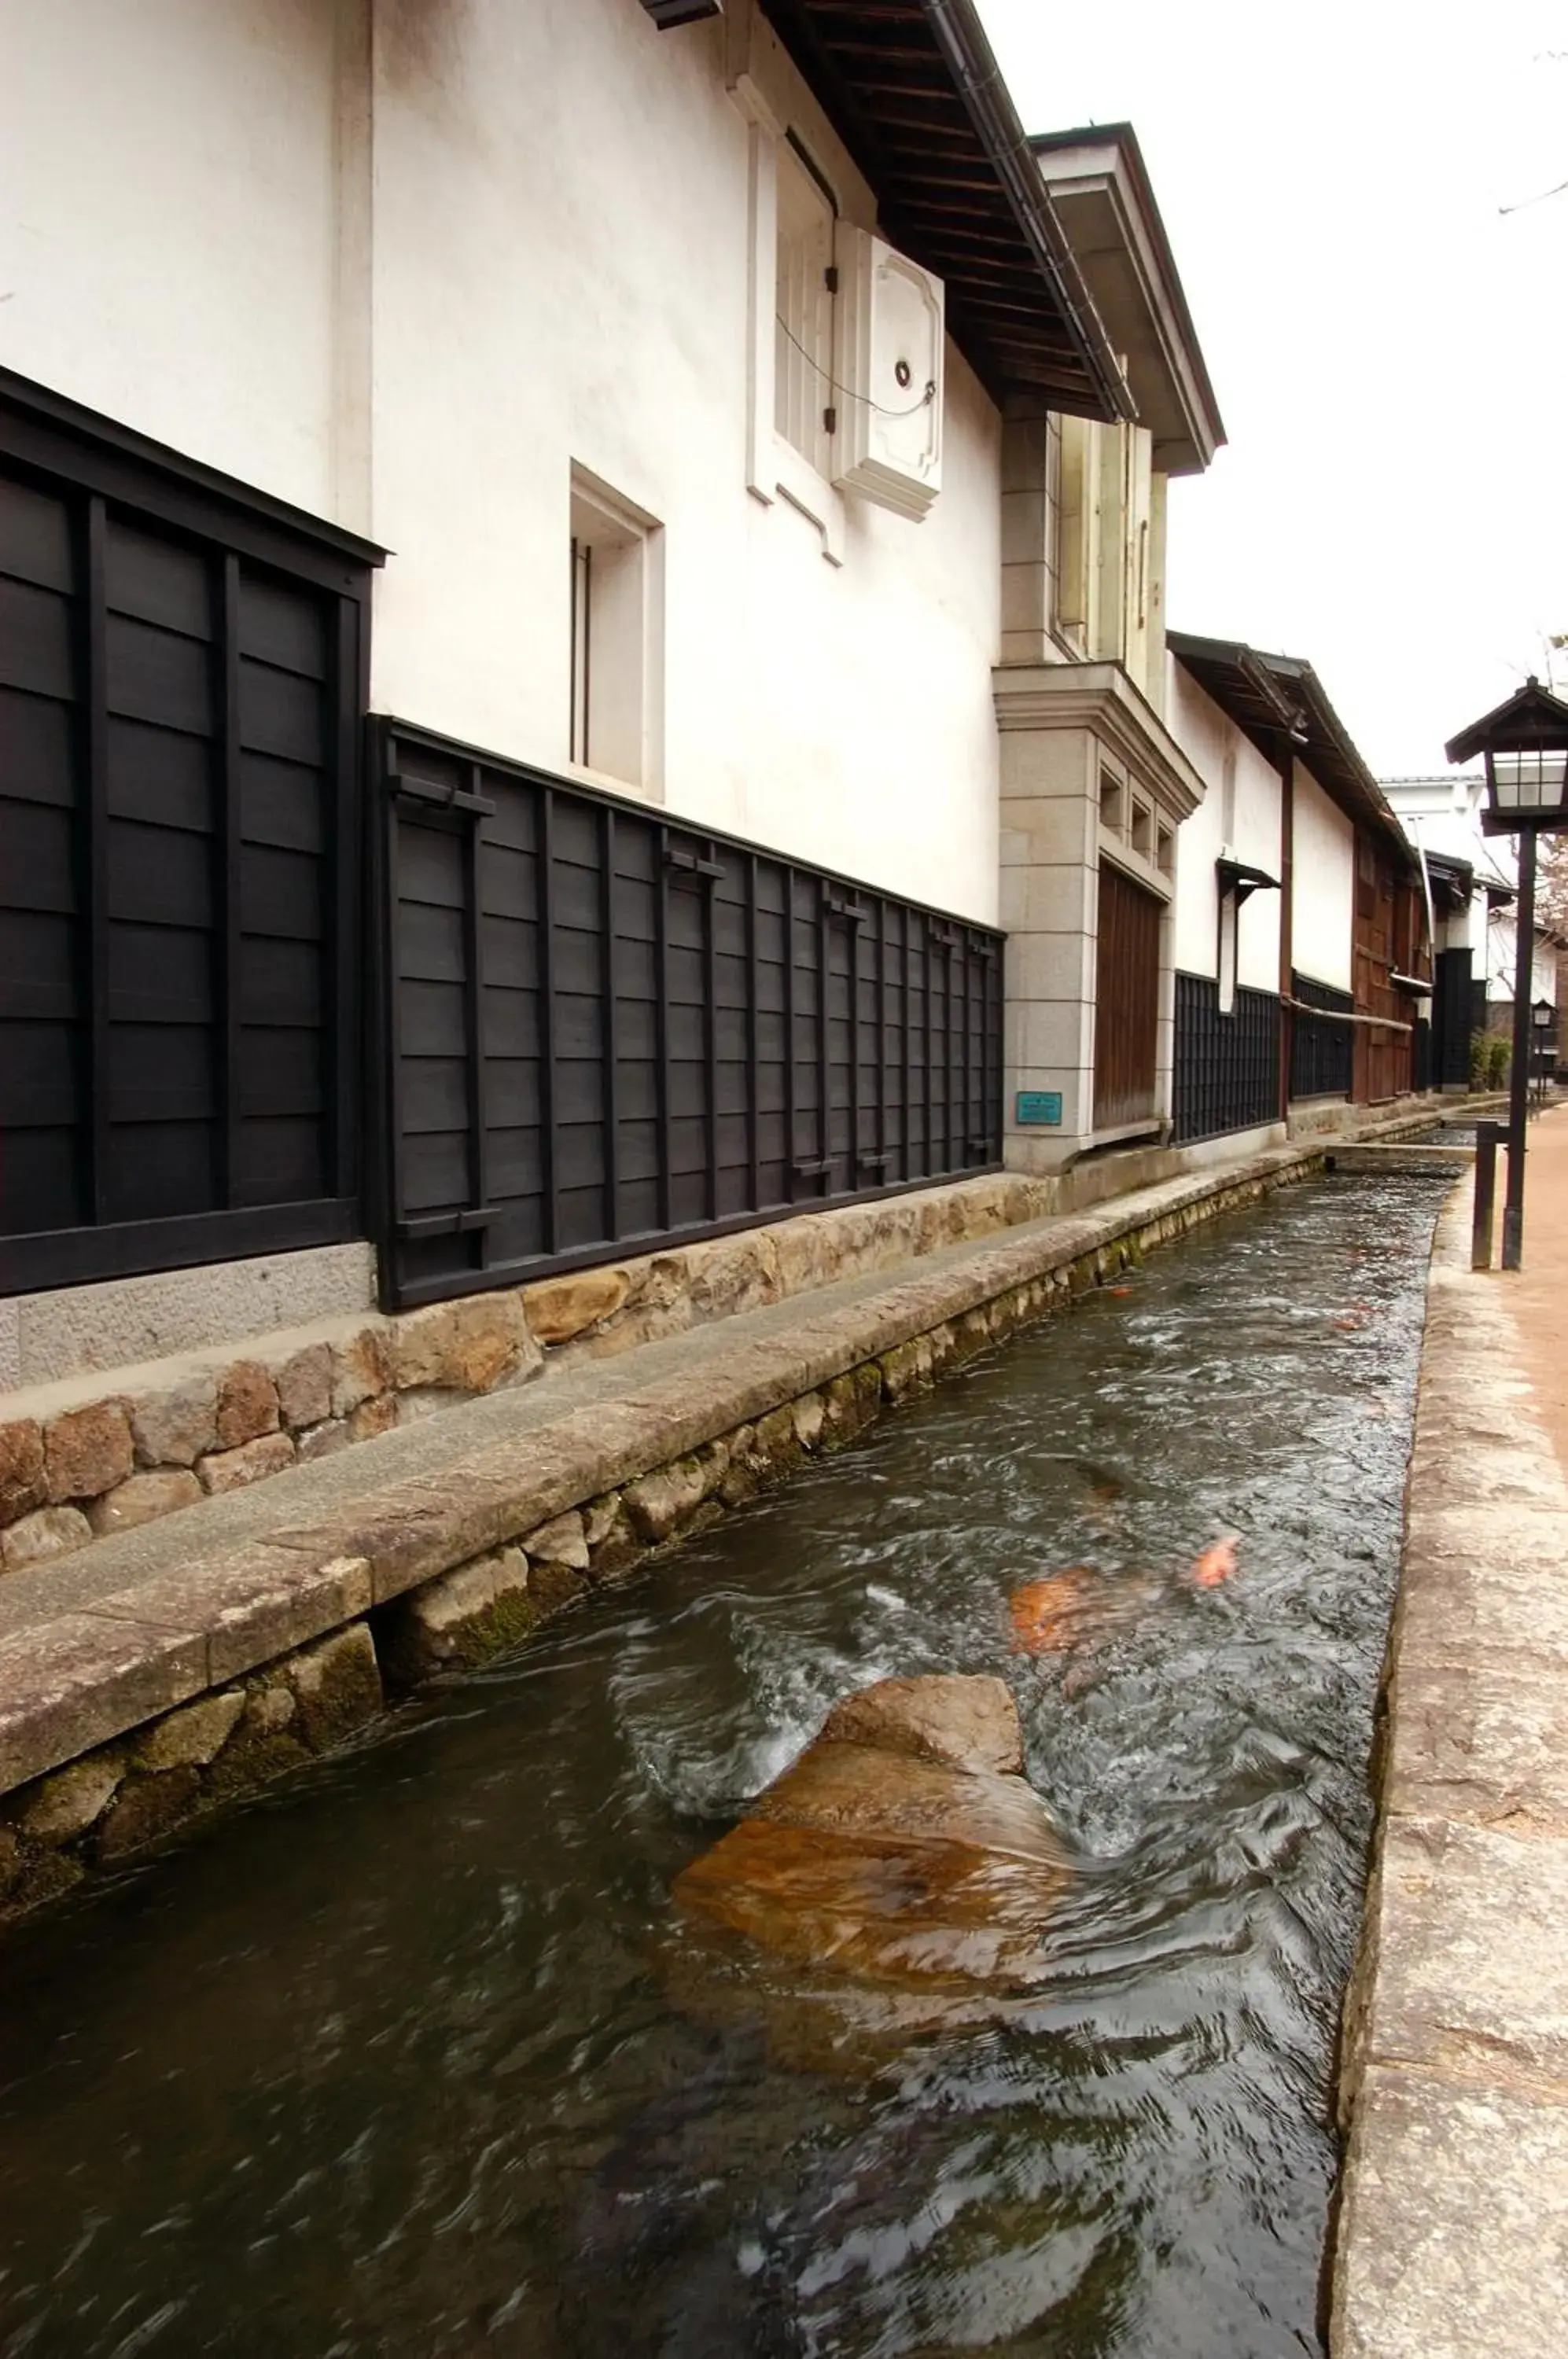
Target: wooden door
(1383, 1061)
(1126, 1001)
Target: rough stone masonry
(465, 1536)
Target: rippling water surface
(390, 2063)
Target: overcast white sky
(1389, 352)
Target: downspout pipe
(962, 39)
(1426, 888)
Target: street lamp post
(1543, 1019)
(1524, 744)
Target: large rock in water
(897, 1879)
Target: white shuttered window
(803, 391)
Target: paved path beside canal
(1454, 2233)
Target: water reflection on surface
(392, 2062)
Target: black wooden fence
(606, 1028)
(180, 680)
(1227, 1073)
(1322, 1047)
(1450, 1021)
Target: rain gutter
(977, 77)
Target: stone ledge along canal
(401, 2060)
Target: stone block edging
(1452, 2230)
(90, 1455)
(441, 1569)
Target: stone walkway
(1452, 2238)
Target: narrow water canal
(389, 2064)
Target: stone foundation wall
(97, 1811)
(99, 1453)
(95, 1454)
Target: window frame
(604, 520)
(794, 156)
(775, 470)
(1228, 950)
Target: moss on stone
(42, 1876)
(250, 1761)
(506, 1623)
(553, 1586)
(337, 1686)
(146, 1806)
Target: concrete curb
(1453, 2230)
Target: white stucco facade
(1323, 878)
(173, 231)
(1238, 818)
(1444, 815)
(344, 250)
(1502, 963)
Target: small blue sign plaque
(1039, 1106)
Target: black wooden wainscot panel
(181, 676)
(1451, 1024)
(1322, 1047)
(606, 1030)
(1226, 1066)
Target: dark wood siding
(1226, 1066)
(1126, 1001)
(179, 880)
(1320, 1050)
(1451, 1020)
(604, 1029)
(1385, 939)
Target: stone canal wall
(1452, 2236)
(102, 1452)
(169, 1669)
(94, 1454)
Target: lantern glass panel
(1532, 780)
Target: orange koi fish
(1216, 1564)
(1047, 1615)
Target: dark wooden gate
(1321, 1044)
(180, 680)
(606, 1028)
(1126, 1001)
(1384, 941)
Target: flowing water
(389, 2062)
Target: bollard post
(1487, 1134)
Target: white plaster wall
(569, 283)
(1210, 740)
(1502, 962)
(1323, 878)
(168, 222)
(405, 274)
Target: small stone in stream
(970, 1723)
(902, 1874)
